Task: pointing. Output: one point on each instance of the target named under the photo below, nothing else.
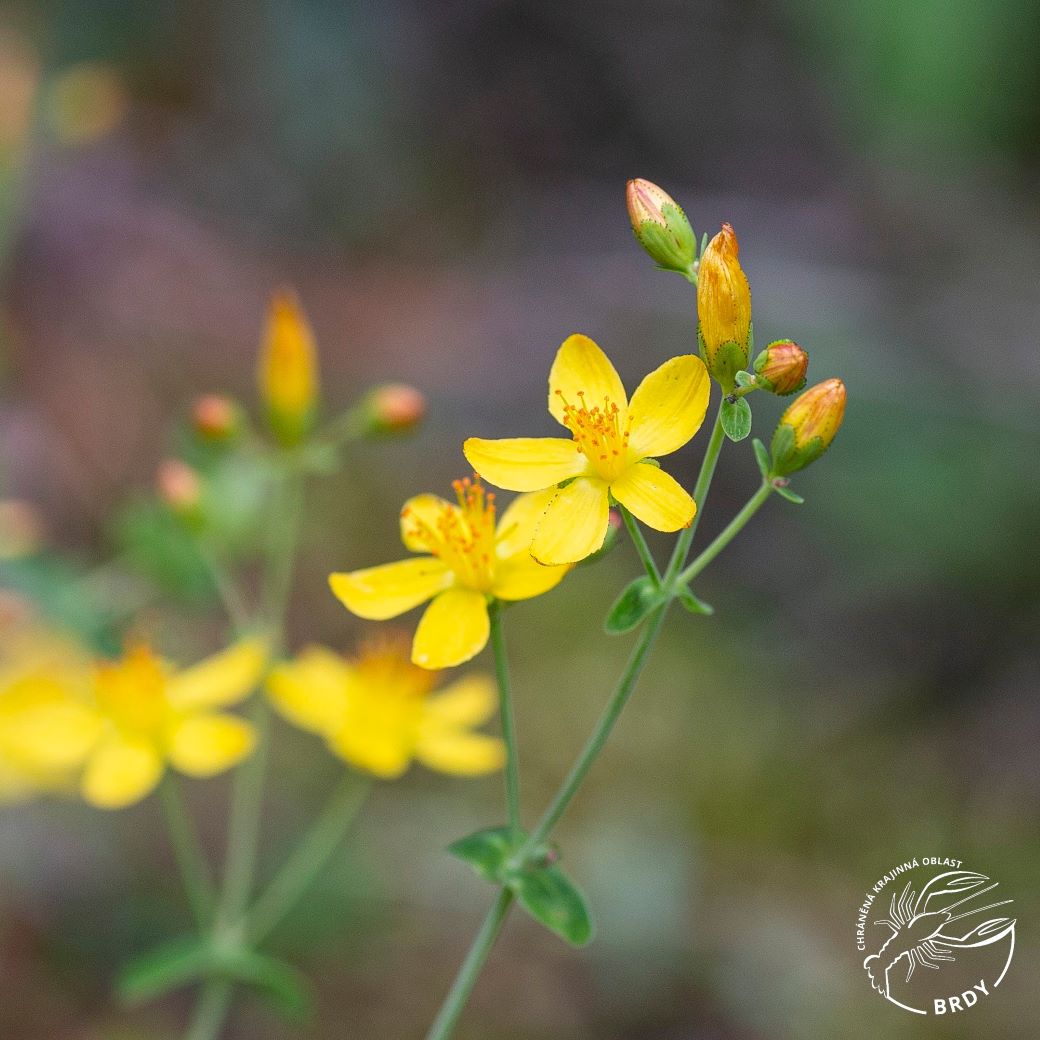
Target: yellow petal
(454, 628)
(525, 463)
(207, 744)
(51, 736)
(419, 520)
(384, 592)
(654, 497)
(522, 576)
(469, 702)
(668, 407)
(581, 367)
(574, 525)
(225, 678)
(121, 771)
(311, 692)
(518, 523)
(459, 752)
(377, 750)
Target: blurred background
(444, 186)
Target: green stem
(191, 861)
(227, 590)
(733, 528)
(310, 856)
(210, 1012)
(512, 771)
(635, 532)
(700, 496)
(458, 995)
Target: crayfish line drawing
(921, 935)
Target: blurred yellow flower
(469, 560)
(47, 726)
(152, 716)
(288, 373)
(612, 438)
(376, 712)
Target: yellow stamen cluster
(463, 537)
(382, 663)
(599, 433)
(132, 692)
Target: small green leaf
(486, 851)
(552, 899)
(168, 967)
(786, 492)
(692, 603)
(285, 988)
(637, 599)
(745, 379)
(762, 457)
(736, 418)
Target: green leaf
(553, 900)
(188, 960)
(168, 967)
(736, 418)
(762, 457)
(285, 988)
(786, 492)
(692, 603)
(486, 851)
(637, 599)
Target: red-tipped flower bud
(394, 408)
(781, 367)
(661, 226)
(806, 429)
(723, 309)
(215, 417)
(179, 487)
(21, 529)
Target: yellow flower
(723, 308)
(153, 716)
(469, 560)
(808, 427)
(377, 713)
(612, 438)
(47, 726)
(288, 373)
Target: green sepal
(787, 457)
(555, 901)
(487, 851)
(188, 960)
(762, 458)
(656, 463)
(786, 492)
(745, 379)
(691, 602)
(637, 599)
(672, 247)
(729, 359)
(736, 418)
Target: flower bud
(288, 372)
(661, 226)
(781, 367)
(394, 408)
(723, 309)
(179, 487)
(21, 529)
(807, 428)
(215, 417)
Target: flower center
(464, 536)
(599, 433)
(132, 692)
(384, 668)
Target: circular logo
(936, 939)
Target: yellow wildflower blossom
(153, 716)
(47, 726)
(468, 559)
(378, 713)
(612, 439)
